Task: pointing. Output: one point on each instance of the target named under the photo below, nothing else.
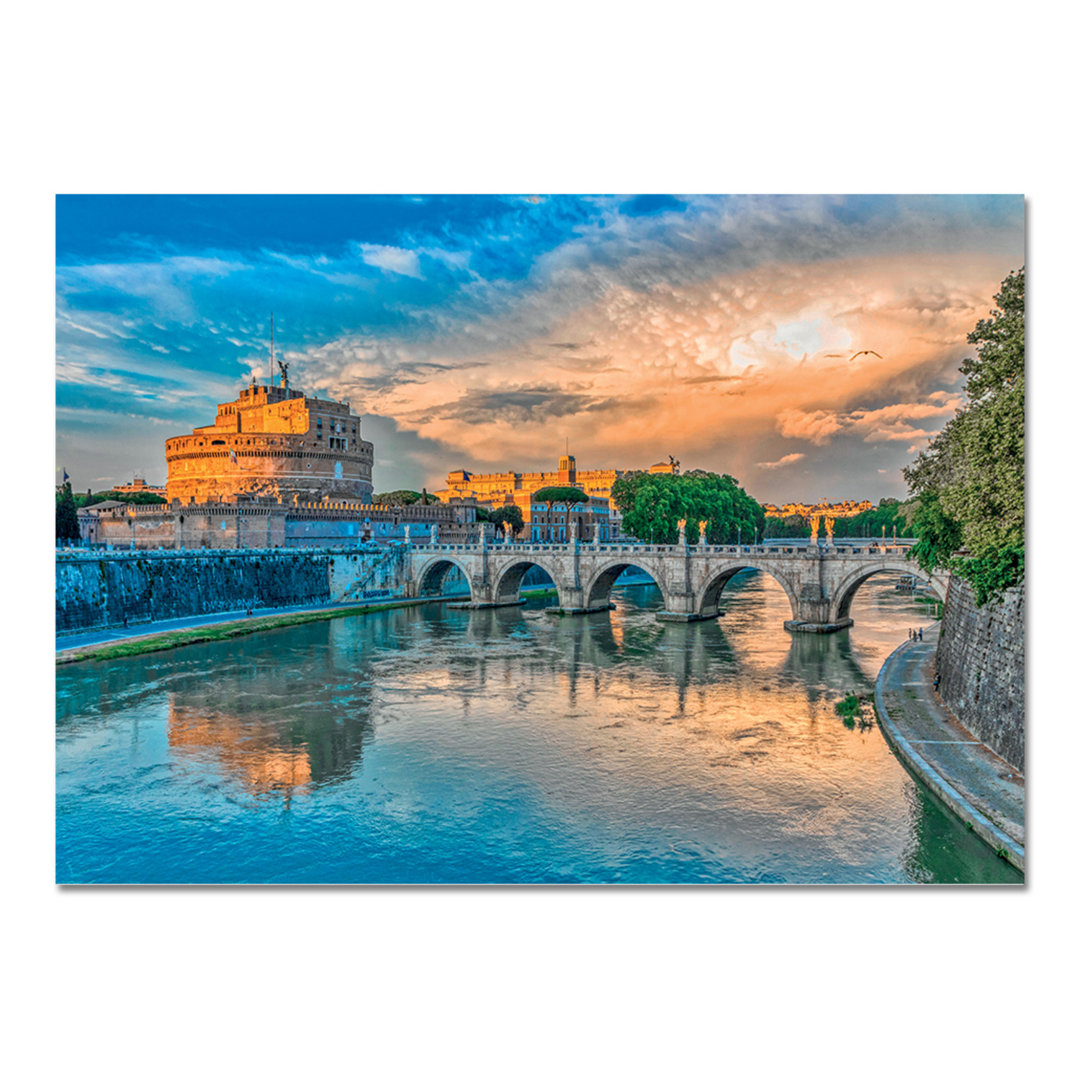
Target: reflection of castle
(268, 757)
(272, 442)
(254, 757)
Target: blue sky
(484, 331)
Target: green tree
(971, 476)
(786, 528)
(653, 503)
(403, 497)
(138, 498)
(560, 495)
(67, 518)
(890, 515)
(511, 514)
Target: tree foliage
(891, 515)
(971, 477)
(512, 514)
(560, 495)
(790, 527)
(136, 498)
(403, 497)
(67, 519)
(653, 503)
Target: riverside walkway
(981, 788)
(89, 638)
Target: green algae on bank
(171, 639)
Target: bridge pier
(803, 626)
(814, 614)
(572, 602)
(477, 605)
(682, 607)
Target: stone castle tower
(272, 442)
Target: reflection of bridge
(820, 581)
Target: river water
(440, 745)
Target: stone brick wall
(981, 662)
(100, 591)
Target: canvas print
(540, 539)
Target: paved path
(148, 629)
(968, 776)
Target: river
(434, 744)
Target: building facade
(501, 488)
(265, 523)
(554, 522)
(272, 442)
(138, 486)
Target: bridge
(820, 580)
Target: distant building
(493, 490)
(272, 442)
(667, 468)
(266, 523)
(501, 488)
(553, 521)
(847, 508)
(138, 486)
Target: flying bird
(868, 352)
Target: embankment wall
(980, 659)
(102, 590)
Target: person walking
(937, 682)
(920, 633)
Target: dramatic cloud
(787, 459)
(485, 333)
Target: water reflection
(436, 744)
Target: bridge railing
(723, 550)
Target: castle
(272, 443)
(276, 469)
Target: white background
(554, 97)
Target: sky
(490, 332)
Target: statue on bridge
(408, 534)
(829, 526)
(508, 533)
(815, 521)
(574, 531)
(435, 533)
(682, 532)
(702, 525)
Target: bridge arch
(597, 591)
(507, 585)
(845, 591)
(709, 598)
(431, 575)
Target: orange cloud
(720, 371)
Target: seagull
(868, 352)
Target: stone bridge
(820, 580)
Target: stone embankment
(981, 663)
(979, 786)
(98, 590)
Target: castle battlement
(272, 442)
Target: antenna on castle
(271, 348)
